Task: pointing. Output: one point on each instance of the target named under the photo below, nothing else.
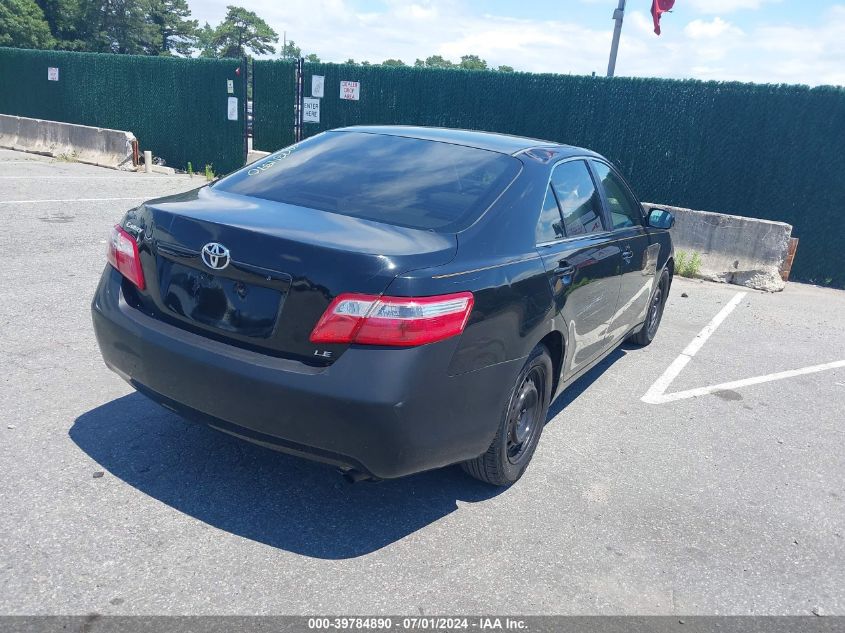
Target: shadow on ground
(574, 391)
(269, 497)
(260, 494)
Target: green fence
(768, 151)
(177, 108)
(273, 96)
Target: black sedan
(385, 299)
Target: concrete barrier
(254, 155)
(734, 249)
(93, 145)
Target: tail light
(394, 321)
(123, 255)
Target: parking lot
(722, 493)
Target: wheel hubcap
(525, 413)
(654, 313)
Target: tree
(116, 26)
(312, 58)
(473, 62)
(171, 29)
(393, 62)
(239, 32)
(291, 51)
(67, 25)
(505, 69)
(350, 62)
(205, 41)
(468, 62)
(22, 25)
(437, 61)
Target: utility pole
(618, 15)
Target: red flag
(658, 7)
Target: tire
(645, 335)
(521, 424)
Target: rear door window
(580, 204)
(549, 227)
(624, 210)
(404, 181)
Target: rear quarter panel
(498, 262)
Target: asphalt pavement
(731, 501)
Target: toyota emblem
(215, 256)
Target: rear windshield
(405, 181)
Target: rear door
(581, 263)
(638, 253)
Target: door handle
(627, 254)
(564, 269)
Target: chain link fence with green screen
(177, 108)
(274, 98)
(768, 151)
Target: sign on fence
(232, 109)
(317, 84)
(310, 110)
(52, 74)
(350, 90)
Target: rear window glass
(404, 181)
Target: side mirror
(661, 219)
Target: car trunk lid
(286, 263)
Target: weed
(694, 266)
(687, 265)
(68, 157)
(680, 262)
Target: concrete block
(734, 249)
(157, 169)
(81, 143)
(254, 155)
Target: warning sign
(350, 90)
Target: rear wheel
(654, 315)
(521, 425)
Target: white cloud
(722, 7)
(717, 27)
(714, 48)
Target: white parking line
(71, 200)
(657, 392)
(736, 384)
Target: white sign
(310, 110)
(232, 111)
(317, 83)
(230, 86)
(52, 74)
(350, 90)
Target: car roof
(491, 141)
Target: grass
(209, 172)
(68, 157)
(686, 264)
(190, 169)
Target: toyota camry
(385, 299)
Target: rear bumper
(387, 412)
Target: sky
(764, 41)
